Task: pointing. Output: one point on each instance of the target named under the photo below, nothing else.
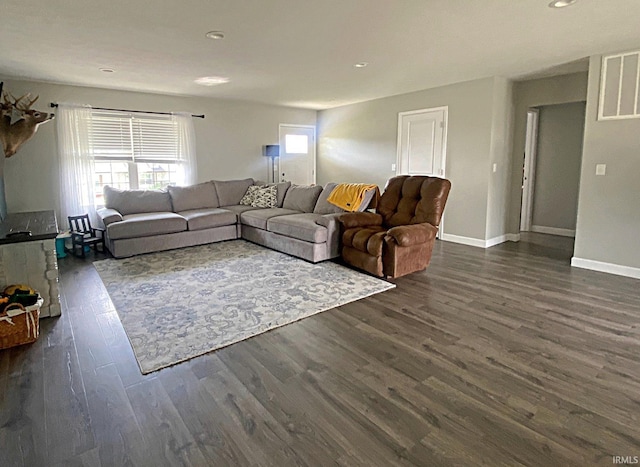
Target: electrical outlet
(601, 169)
(393, 167)
(495, 168)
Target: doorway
(551, 170)
(422, 142)
(297, 161)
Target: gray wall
(560, 134)
(535, 93)
(608, 228)
(498, 197)
(357, 143)
(229, 140)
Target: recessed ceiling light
(106, 70)
(561, 3)
(211, 80)
(361, 65)
(216, 35)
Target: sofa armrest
(109, 216)
(413, 234)
(360, 219)
(328, 220)
(332, 224)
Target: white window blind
(620, 86)
(123, 136)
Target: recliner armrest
(413, 234)
(360, 219)
(109, 216)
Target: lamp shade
(272, 150)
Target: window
(620, 87)
(134, 151)
(296, 144)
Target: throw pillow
(266, 197)
(250, 195)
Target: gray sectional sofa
(303, 223)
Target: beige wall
(534, 93)
(560, 134)
(608, 228)
(357, 143)
(229, 140)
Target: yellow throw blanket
(349, 196)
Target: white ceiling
(301, 52)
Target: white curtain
(73, 124)
(187, 147)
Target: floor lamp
(272, 151)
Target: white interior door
(422, 137)
(297, 161)
(529, 169)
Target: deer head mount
(18, 121)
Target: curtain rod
(53, 104)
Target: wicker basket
(19, 325)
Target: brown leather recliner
(398, 239)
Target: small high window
(296, 144)
(620, 85)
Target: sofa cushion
(300, 226)
(146, 225)
(239, 209)
(322, 205)
(136, 201)
(301, 197)
(230, 192)
(259, 217)
(200, 219)
(187, 198)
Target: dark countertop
(42, 225)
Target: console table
(28, 255)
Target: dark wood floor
(506, 356)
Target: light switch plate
(495, 168)
(601, 169)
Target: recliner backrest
(413, 200)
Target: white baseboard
(513, 237)
(610, 268)
(477, 242)
(495, 241)
(463, 240)
(553, 231)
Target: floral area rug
(176, 305)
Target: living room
(289, 64)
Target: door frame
(313, 146)
(444, 108)
(529, 168)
